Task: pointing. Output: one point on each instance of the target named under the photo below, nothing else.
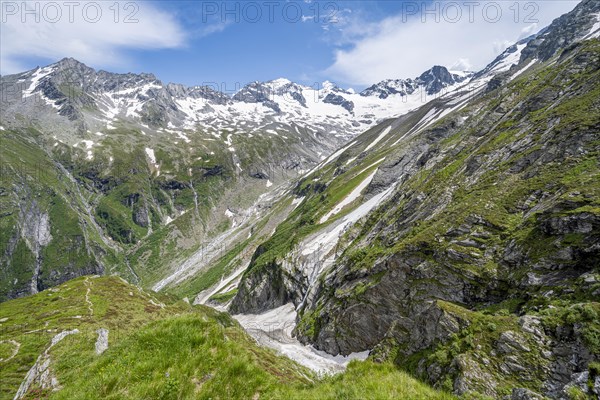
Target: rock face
(471, 256)
(389, 87)
(339, 101)
(438, 78)
(257, 92)
(431, 82)
(37, 255)
(269, 291)
(371, 322)
(563, 31)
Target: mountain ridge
(178, 104)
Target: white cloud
(402, 46)
(348, 26)
(98, 37)
(209, 29)
(529, 30)
(462, 64)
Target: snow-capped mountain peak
(279, 82)
(431, 82)
(103, 99)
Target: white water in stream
(274, 329)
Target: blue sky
(352, 43)
(245, 50)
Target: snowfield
(273, 329)
(348, 199)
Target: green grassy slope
(162, 349)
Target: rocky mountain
(445, 227)
(431, 82)
(93, 100)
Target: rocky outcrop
(261, 292)
(437, 79)
(404, 289)
(338, 100)
(102, 342)
(563, 31)
(41, 373)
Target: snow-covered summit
(431, 82)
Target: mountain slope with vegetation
(148, 178)
(457, 244)
(156, 347)
(469, 251)
(129, 202)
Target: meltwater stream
(274, 329)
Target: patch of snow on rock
(348, 199)
(274, 329)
